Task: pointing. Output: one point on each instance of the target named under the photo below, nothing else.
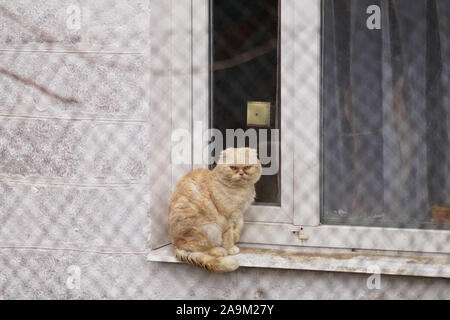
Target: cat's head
(239, 166)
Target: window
(244, 52)
(244, 84)
(385, 114)
(363, 115)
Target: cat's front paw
(233, 250)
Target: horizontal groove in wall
(73, 51)
(124, 251)
(74, 118)
(94, 183)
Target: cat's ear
(252, 156)
(227, 156)
(259, 163)
(222, 158)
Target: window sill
(277, 257)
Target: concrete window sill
(276, 257)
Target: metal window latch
(301, 235)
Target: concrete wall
(74, 160)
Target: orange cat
(206, 211)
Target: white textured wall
(74, 159)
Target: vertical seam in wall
(192, 84)
(171, 88)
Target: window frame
(304, 244)
(306, 230)
(201, 104)
(184, 78)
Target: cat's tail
(205, 261)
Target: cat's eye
(247, 168)
(233, 168)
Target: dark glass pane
(386, 114)
(245, 69)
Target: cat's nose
(241, 173)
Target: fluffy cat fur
(206, 210)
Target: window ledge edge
(265, 256)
